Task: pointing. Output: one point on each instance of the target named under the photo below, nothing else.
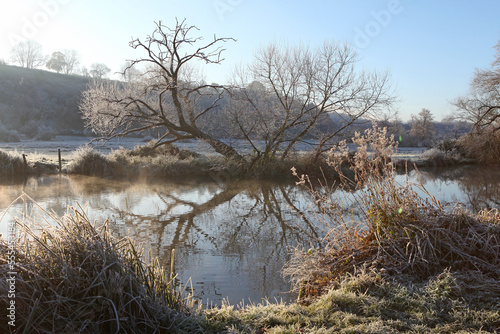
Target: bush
(149, 150)
(8, 135)
(484, 147)
(45, 133)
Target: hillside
(39, 104)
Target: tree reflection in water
(231, 240)
(477, 187)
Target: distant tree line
(29, 54)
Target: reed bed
(75, 277)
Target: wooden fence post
(25, 162)
(59, 154)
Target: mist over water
(231, 239)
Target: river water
(231, 239)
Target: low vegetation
(168, 162)
(87, 161)
(484, 147)
(386, 234)
(73, 276)
(10, 165)
(371, 303)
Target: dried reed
(399, 229)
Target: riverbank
(173, 164)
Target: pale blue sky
(430, 47)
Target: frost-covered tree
(28, 54)
(423, 129)
(293, 89)
(56, 62)
(482, 105)
(165, 96)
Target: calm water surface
(231, 239)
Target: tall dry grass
(10, 165)
(397, 229)
(75, 277)
(87, 161)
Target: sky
(430, 47)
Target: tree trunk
(220, 147)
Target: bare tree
(482, 105)
(167, 94)
(423, 127)
(130, 73)
(28, 54)
(99, 70)
(298, 88)
(71, 61)
(83, 71)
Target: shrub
(45, 133)
(8, 135)
(149, 150)
(483, 147)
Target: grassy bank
(174, 164)
(11, 165)
(72, 276)
(171, 163)
(371, 303)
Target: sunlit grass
(73, 276)
(369, 303)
